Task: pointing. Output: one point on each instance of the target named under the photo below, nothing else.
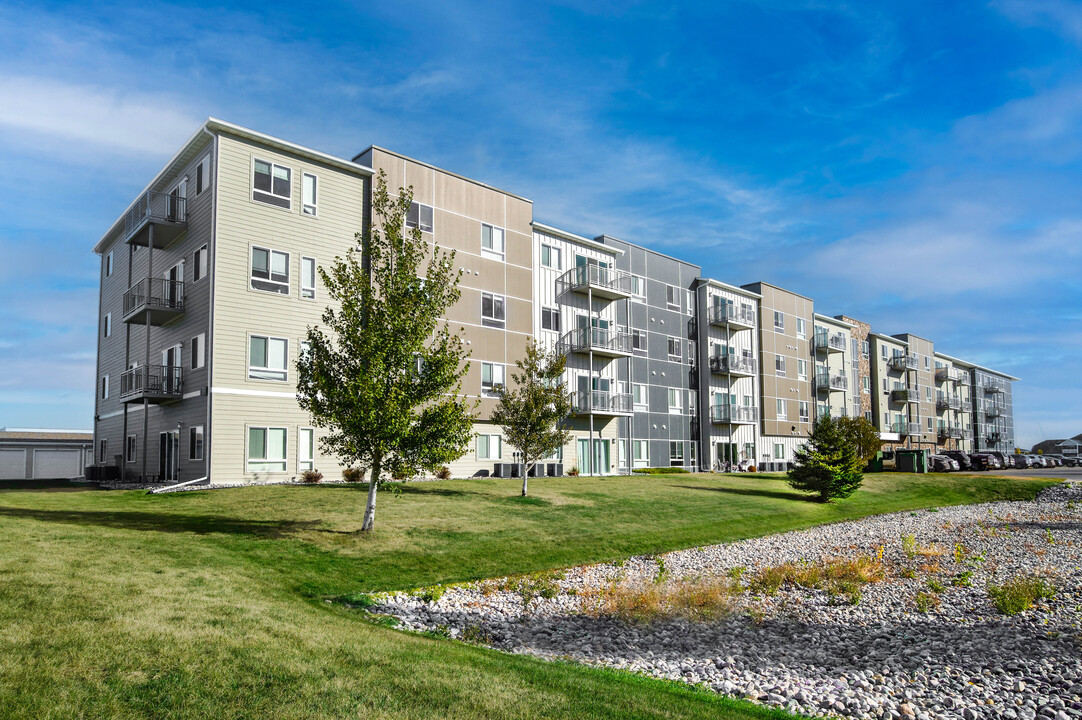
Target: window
(550, 257)
(419, 216)
(489, 447)
(104, 387)
(195, 442)
(926, 363)
(930, 428)
(804, 412)
(107, 325)
(200, 264)
(802, 369)
(270, 270)
(492, 376)
(103, 450)
(676, 453)
(199, 351)
(865, 383)
(492, 310)
(865, 348)
(783, 413)
(308, 193)
(779, 321)
(266, 449)
(492, 245)
(693, 352)
(638, 287)
(672, 297)
(638, 396)
(202, 175)
(884, 349)
(928, 393)
(779, 451)
(308, 278)
(306, 449)
(801, 328)
(674, 349)
(676, 404)
(638, 340)
(689, 299)
(550, 319)
(130, 449)
(267, 358)
(779, 365)
(640, 453)
(272, 184)
(109, 264)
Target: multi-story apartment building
(209, 283)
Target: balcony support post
(146, 363)
(590, 330)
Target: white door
(57, 464)
(12, 464)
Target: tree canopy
(828, 464)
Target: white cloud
(1062, 16)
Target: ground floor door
(727, 453)
(168, 455)
(597, 462)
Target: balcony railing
(163, 216)
(948, 433)
(903, 362)
(601, 341)
(992, 386)
(155, 383)
(948, 402)
(733, 365)
(156, 299)
(899, 426)
(601, 281)
(965, 406)
(993, 411)
(600, 402)
(914, 428)
(730, 314)
(825, 381)
(733, 414)
(829, 342)
(905, 395)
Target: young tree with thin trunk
(862, 434)
(383, 374)
(532, 414)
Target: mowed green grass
(212, 604)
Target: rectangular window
(195, 442)
(866, 383)
(640, 453)
(306, 449)
(930, 428)
(272, 184)
(779, 365)
(689, 300)
(266, 449)
(199, 351)
(638, 396)
(492, 376)
(783, 413)
(638, 340)
(107, 325)
(489, 447)
(779, 451)
(676, 404)
(804, 412)
(779, 321)
(202, 175)
(550, 257)
(267, 358)
(638, 287)
(802, 369)
(308, 278)
(109, 264)
(693, 352)
(926, 363)
(103, 450)
(801, 328)
(674, 349)
(130, 449)
(308, 193)
(492, 310)
(672, 297)
(419, 216)
(270, 270)
(104, 387)
(676, 453)
(865, 349)
(200, 264)
(884, 349)
(550, 319)
(492, 242)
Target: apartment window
(779, 321)
(200, 264)
(492, 310)
(676, 453)
(199, 351)
(638, 287)
(801, 328)
(779, 451)
(883, 348)
(267, 358)
(270, 270)
(306, 449)
(492, 376)
(272, 184)
(638, 396)
(674, 349)
(865, 383)
(779, 365)
(638, 340)
(103, 450)
(640, 453)
(693, 352)
(930, 428)
(865, 348)
(928, 393)
(104, 387)
(492, 244)
(107, 325)
(927, 363)
(202, 175)
(419, 216)
(804, 412)
(308, 193)
(802, 369)
(672, 297)
(266, 449)
(308, 278)
(550, 319)
(195, 442)
(676, 404)
(550, 257)
(129, 449)
(783, 414)
(109, 264)
(489, 447)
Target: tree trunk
(373, 484)
(525, 476)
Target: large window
(266, 449)
(783, 412)
(272, 183)
(676, 404)
(779, 321)
(779, 365)
(270, 270)
(267, 358)
(638, 396)
(640, 453)
(195, 442)
(779, 451)
(492, 310)
(801, 328)
(419, 216)
(672, 297)
(308, 278)
(306, 449)
(492, 376)
(804, 411)
(638, 287)
(489, 447)
(550, 257)
(802, 369)
(676, 453)
(674, 349)
(638, 340)
(492, 242)
(550, 319)
(308, 193)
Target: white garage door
(54, 464)
(12, 464)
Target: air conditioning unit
(507, 470)
(555, 469)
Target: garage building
(40, 454)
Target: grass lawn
(210, 604)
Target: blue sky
(918, 165)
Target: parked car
(1021, 461)
(984, 461)
(1004, 459)
(1038, 461)
(940, 463)
(1053, 461)
(1071, 461)
(960, 457)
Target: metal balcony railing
(730, 314)
(167, 210)
(947, 433)
(151, 382)
(992, 386)
(733, 365)
(604, 282)
(828, 341)
(600, 402)
(914, 428)
(159, 298)
(947, 402)
(993, 411)
(833, 382)
(905, 395)
(603, 341)
(903, 362)
(733, 414)
(965, 406)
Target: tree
(828, 464)
(384, 372)
(862, 434)
(533, 413)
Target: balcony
(993, 411)
(965, 406)
(903, 362)
(729, 314)
(914, 429)
(829, 342)
(722, 414)
(995, 436)
(734, 365)
(900, 427)
(154, 301)
(158, 218)
(602, 282)
(948, 433)
(600, 341)
(825, 381)
(991, 386)
(153, 383)
(600, 402)
(905, 395)
(947, 402)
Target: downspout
(211, 271)
(186, 483)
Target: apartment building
(860, 367)
(832, 367)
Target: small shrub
(736, 573)
(909, 545)
(935, 586)
(909, 573)
(429, 594)
(352, 474)
(476, 635)
(926, 601)
(573, 472)
(311, 477)
(845, 590)
(1018, 594)
(931, 550)
(358, 600)
(751, 469)
(444, 473)
(1048, 536)
(539, 584)
(959, 553)
(963, 579)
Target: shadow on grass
(7, 486)
(757, 492)
(528, 500)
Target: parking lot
(1070, 473)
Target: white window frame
(779, 451)
(676, 408)
(492, 320)
(280, 287)
(494, 232)
(553, 315)
(802, 369)
(676, 453)
(495, 369)
(801, 328)
(638, 288)
(196, 440)
(267, 369)
(271, 197)
(107, 325)
(306, 463)
(200, 263)
(779, 366)
(640, 390)
(638, 335)
(553, 252)
(308, 284)
(671, 342)
(782, 407)
(109, 264)
(131, 449)
(249, 460)
(414, 217)
(202, 175)
(640, 453)
(779, 321)
(488, 446)
(803, 411)
(309, 206)
(672, 297)
(104, 389)
(199, 351)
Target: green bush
(828, 464)
(1018, 594)
(926, 601)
